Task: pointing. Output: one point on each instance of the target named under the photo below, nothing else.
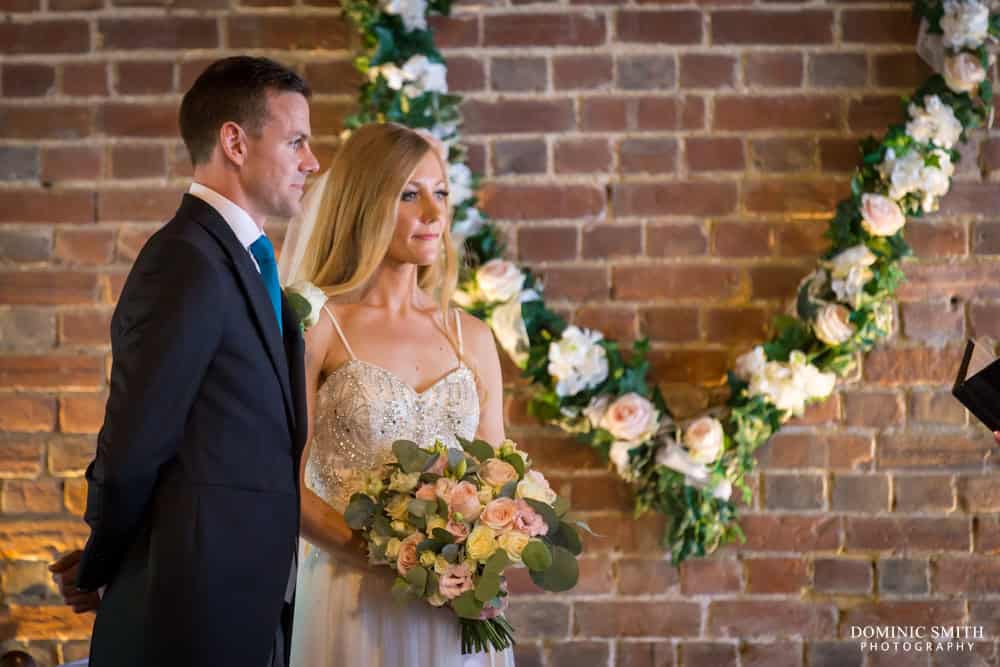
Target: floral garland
(586, 385)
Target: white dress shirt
(247, 231)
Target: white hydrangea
(965, 24)
(849, 273)
(789, 385)
(412, 12)
(469, 225)
(459, 182)
(577, 361)
(911, 174)
(423, 76)
(934, 123)
(394, 77)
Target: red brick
(643, 653)
(46, 206)
(47, 288)
(659, 27)
(130, 242)
(778, 70)
(741, 239)
(654, 156)
(69, 456)
(519, 74)
(84, 246)
(530, 202)
(842, 575)
(784, 112)
(600, 493)
(339, 77)
(967, 280)
(162, 32)
(789, 532)
(899, 70)
(19, 5)
(136, 205)
(933, 323)
(559, 452)
(694, 198)
(81, 413)
(135, 120)
(839, 155)
(797, 197)
(87, 327)
(579, 72)
(28, 80)
(25, 414)
(44, 622)
(677, 240)
(605, 241)
(56, 36)
(580, 156)
(714, 154)
(988, 535)
(873, 114)
(875, 409)
(537, 244)
(704, 70)
(784, 154)
(49, 122)
(522, 156)
(979, 494)
(974, 575)
(746, 618)
(976, 199)
(767, 27)
(709, 654)
(508, 116)
(799, 491)
(800, 238)
(616, 323)
(577, 652)
(51, 372)
(688, 281)
(641, 577)
(776, 575)
(455, 31)
(665, 113)
(75, 496)
(577, 284)
(716, 575)
(927, 493)
(328, 117)
(889, 366)
(19, 456)
(71, 163)
(920, 450)
(838, 70)
(771, 654)
(776, 281)
(638, 619)
(878, 26)
(670, 324)
(693, 365)
(464, 75)
(540, 619)
(85, 79)
(646, 72)
(939, 239)
(37, 496)
(544, 30)
(909, 534)
(145, 77)
(138, 162)
(825, 412)
(730, 325)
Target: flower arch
(585, 384)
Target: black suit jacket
(193, 498)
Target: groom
(193, 498)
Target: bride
(389, 359)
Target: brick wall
(668, 168)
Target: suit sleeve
(164, 334)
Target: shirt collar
(239, 221)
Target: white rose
(911, 174)
(859, 255)
(965, 24)
(412, 12)
(963, 72)
(534, 486)
(833, 324)
(776, 382)
(394, 77)
(594, 412)
(813, 382)
(507, 322)
(704, 439)
(499, 280)
(631, 418)
(723, 490)
(750, 363)
(425, 76)
(459, 183)
(881, 215)
(618, 455)
(675, 457)
(577, 361)
(934, 123)
(314, 296)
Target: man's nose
(310, 165)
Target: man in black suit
(193, 498)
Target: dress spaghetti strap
(340, 332)
(458, 329)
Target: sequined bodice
(361, 409)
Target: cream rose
(403, 482)
(456, 580)
(499, 280)
(750, 363)
(464, 500)
(392, 547)
(704, 439)
(513, 542)
(833, 324)
(398, 507)
(496, 473)
(407, 557)
(631, 418)
(618, 455)
(881, 215)
(486, 494)
(534, 486)
(434, 521)
(458, 529)
(963, 72)
(482, 543)
(443, 488)
(499, 514)
(314, 296)
(529, 521)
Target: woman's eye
(409, 196)
(443, 194)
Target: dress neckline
(395, 376)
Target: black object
(17, 659)
(977, 385)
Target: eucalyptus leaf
(451, 552)
(561, 576)
(537, 556)
(411, 458)
(479, 449)
(517, 462)
(360, 511)
(497, 563)
(466, 605)
(508, 490)
(443, 536)
(488, 587)
(417, 578)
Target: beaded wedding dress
(344, 615)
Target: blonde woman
(389, 359)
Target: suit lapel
(253, 287)
(295, 351)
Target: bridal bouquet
(451, 522)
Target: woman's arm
(482, 350)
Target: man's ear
(233, 141)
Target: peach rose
(458, 529)
(465, 501)
(631, 418)
(443, 487)
(497, 473)
(963, 72)
(426, 492)
(439, 465)
(529, 521)
(882, 216)
(499, 514)
(456, 580)
(407, 558)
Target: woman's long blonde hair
(357, 215)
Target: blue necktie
(263, 252)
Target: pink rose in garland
(882, 216)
